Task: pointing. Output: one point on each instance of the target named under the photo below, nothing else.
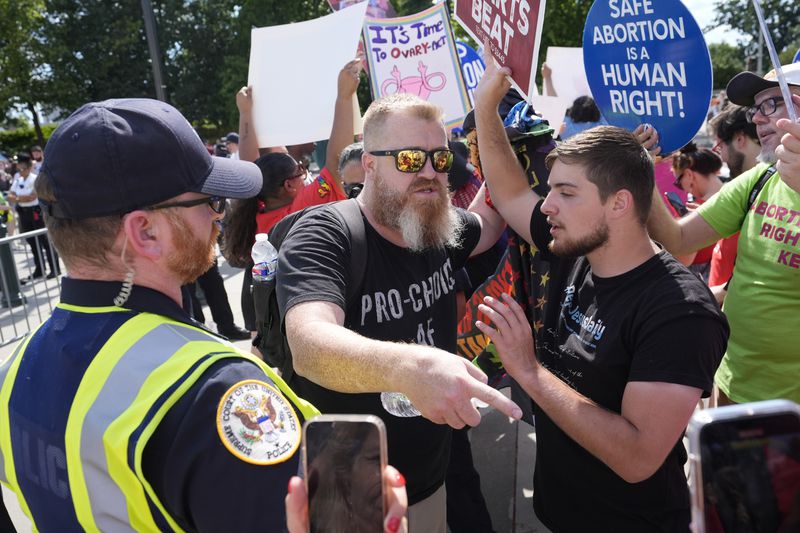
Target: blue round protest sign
(647, 62)
(796, 57)
(472, 67)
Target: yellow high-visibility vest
(141, 371)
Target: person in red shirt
(738, 146)
(697, 173)
(284, 190)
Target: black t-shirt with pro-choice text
(404, 297)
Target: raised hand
(648, 138)
(244, 100)
(511, 334)
(494, 84)
(788, 152)
(349, 77)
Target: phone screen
(751, 474)
(676, 202)
(344, 477)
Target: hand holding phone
(395, 520)
(344, 458)
(676, 203)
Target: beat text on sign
(499, 18)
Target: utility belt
(31, 215)
(29, 209)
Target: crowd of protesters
(635, 311)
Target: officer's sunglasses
(216, 203)
(413, 159)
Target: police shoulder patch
(257, 424)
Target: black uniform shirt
(201, 483)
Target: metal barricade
(26, 301)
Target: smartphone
(676, 203)
(745, 468)
(344, 457)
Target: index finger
(396, 500)
(496, 399)
(787, 125)
(296, 506)
(356, 63)
(475, 372)
(487, 47)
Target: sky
(703, 11)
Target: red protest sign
(514, 29)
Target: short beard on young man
(584, 245)
(735, 162)
(424, 224)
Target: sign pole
(773, 54)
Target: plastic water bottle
(265, 259)
(398, 404)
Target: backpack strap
(751, 199)
(350, 212)
(754, 192)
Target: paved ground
(503, 449)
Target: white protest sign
(289, 105)
(569, 78)
(552, 109)
(416, 54)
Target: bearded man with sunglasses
(400, 333)
(761, 361)
(120, 412)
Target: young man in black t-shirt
(400, 334)
(628, 342)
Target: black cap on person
(743, 88)
(116, 156)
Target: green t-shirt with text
(763, 301)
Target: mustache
(423, 184)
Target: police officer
(120, 412)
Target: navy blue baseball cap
(116, 156)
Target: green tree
(196, 38)
(22, 79)
(95, 50)
(726, 62)
(563, 25)
(782, 17)
(791, 50)
(410, 7)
